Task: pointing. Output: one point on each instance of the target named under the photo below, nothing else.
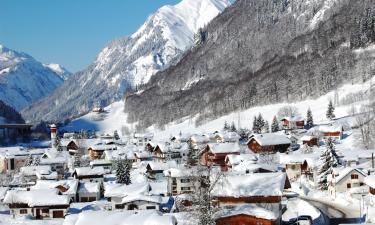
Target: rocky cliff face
(261, 52)
(129, 62)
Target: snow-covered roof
(293, 118)
(99, 162)
(146, 135)
(122, 190)
(103, 147)
(331, 128)
(251, 167)
(234, 159)
(34, 170)
(299, 158)
(88, 187)
(162, 165)
(370, 180)
(88, 171)
(45, 197)
(346, 171)
(246, 185)
(307, 137)
(159, 188)
(147, 198)
(250, 210)
(178, 172)
(200, 138)
(71, 186)
(141, 217)
(270, 139)
(228, 147)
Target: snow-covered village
(211, 112)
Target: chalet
(370, 182)
(172, 151)
(268, 143)
(334, 131)
(39, 204)
(142, 156)
(143, 202)
(182, 138)
(89, 192)
(116, 192)
(197, 139)
(293, 122)
(344, 179)
(155, 170)
(310, 140)
(180, 181)
(297, 165)
(253, 190)
(246, 214)
(247, 167)
(89, 174)
(68, 188)
(69, 145)
(121, 153)
(150, 146)
(97, 151)
(232, 160)
(214, 154)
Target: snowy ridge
(60, 70)
(23, 80)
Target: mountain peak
(58, 69)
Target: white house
(40, 204)
(345, 179)
(142, 202)
(180, 181)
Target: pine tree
(226, 125)
(233, 127)
(30, 161)
(329, 160)
(36, 161)
(123, 168)
(115, 135)
(261, 123)
(127, 166)
(330, 111)
(275, 125)
(191, 156)
(255, 125)
(309, 118)
(266, 127)
(77, 159)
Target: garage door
(58, 214)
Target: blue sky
(70, 32)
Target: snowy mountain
(23, 80)
(258, 53)
(128, 62)
(60, 70)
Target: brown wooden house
(214, 154)
(310, 140)
(268, 143)
(245, 215)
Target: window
(185, 180)
(354, 176)
(23, 211)
(348, 185)
(293, 167)
(150, 207)
(45, 210)
(185, 188)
